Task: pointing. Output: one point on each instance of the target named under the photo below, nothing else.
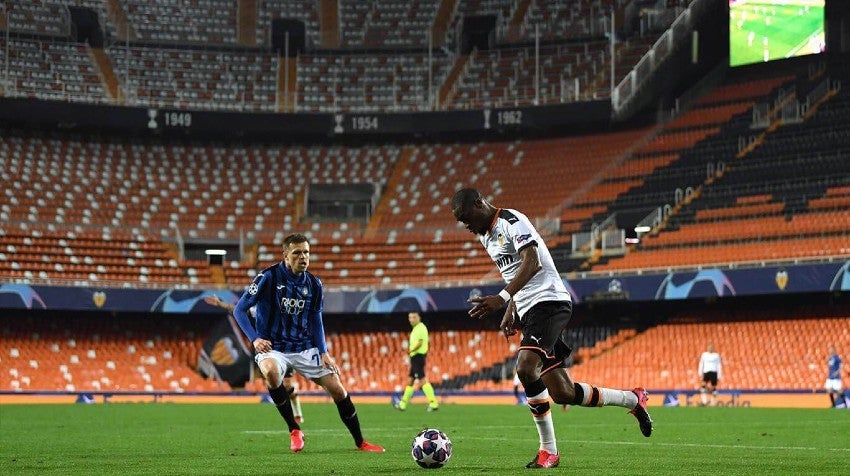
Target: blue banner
(822, 277)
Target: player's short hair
(293, 239)
(465, 197)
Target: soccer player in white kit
(536, 295)
(710, 371)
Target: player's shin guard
(589, 396)
(538, 402)
(348, 415)
(280, 397)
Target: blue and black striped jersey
(288, 312)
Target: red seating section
(763, 354)
(103, 354)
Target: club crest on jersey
(501, 239)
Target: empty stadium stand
(753, 207)
(737, 181)
(758, 353)
(119, 354)
(103, 354)
(191, 79)
(51, 71)
(169, 55)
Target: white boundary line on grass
(598, 442)
(698, 445)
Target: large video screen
(767, 30)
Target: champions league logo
(709, 282)
(20, 296)
(413, 299)
(180, 301)
(841, 281)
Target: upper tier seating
(51, 71)
(38, 17)
(386, 23)
(554, 19)
(214, 75)
(192, 21)
(360, 83)
(506, 77)
(195, 79)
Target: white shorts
(833, 385)
(307, 363)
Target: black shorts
(417, 366)
(710, 377)
(544, 329)
(288, 373)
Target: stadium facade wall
(51, 115)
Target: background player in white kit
(537, 296)
(710, 371)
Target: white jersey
(709, 362)
(512, 232)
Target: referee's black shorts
(417, 366)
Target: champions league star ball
(431, 448)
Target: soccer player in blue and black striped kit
(289, 333)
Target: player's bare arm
(217, 302)
(507, 324)
(485, 305)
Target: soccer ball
(431, 448)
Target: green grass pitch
(239, 439)
(787, 26)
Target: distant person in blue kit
(289, 333)
(833, 377)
